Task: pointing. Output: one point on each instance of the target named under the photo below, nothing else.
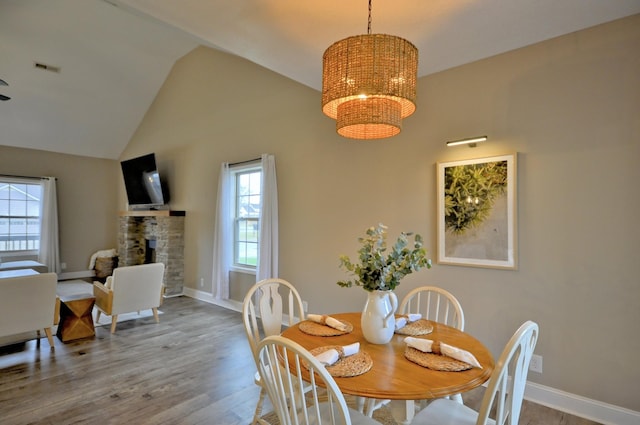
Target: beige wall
(570, 108)
(87, 199)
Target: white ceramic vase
(378, 320)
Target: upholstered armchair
(130, 289)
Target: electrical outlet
(202, 282)
(63, 266)
(536, 363)
(305, 306)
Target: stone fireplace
(154, 236)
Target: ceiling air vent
(45, 67)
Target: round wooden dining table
(394, 377)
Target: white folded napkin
(331, 356)
(328, 357)
(421, 344)
(401, 321)
(459, 354)
(425, 345)
(351, 349)
(327, 320)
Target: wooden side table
(75, 317)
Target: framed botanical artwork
(477, 212)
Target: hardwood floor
(194, 367)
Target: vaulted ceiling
(82, 73)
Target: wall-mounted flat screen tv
(145, 189)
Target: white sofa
(28, 303)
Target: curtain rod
(25, 177)
(245, 162)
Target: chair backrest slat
(270, 302)
(315, 407)
(263, 313)
(507, 394)
(434, 304)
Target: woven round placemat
(345, 367)
(317, 329)
(435, 361)
(419, 327)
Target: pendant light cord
(369, 22)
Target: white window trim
(26, 254)
(235, 170)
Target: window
(247, 199)
(19, 215)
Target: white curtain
(49, 244)
(223, 235)
(268, 249)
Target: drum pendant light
(369, 84)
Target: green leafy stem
(470, 192)
(378, 270)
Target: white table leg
(402, 411)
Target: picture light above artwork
(469, 141)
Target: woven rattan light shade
(369, 84)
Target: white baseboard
(174, 295)
(594, 410)
(207, 297)
(587, 408)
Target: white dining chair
(438, 305)
(435, 304)
(268, 305)
(324, 404)
(505, 389)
